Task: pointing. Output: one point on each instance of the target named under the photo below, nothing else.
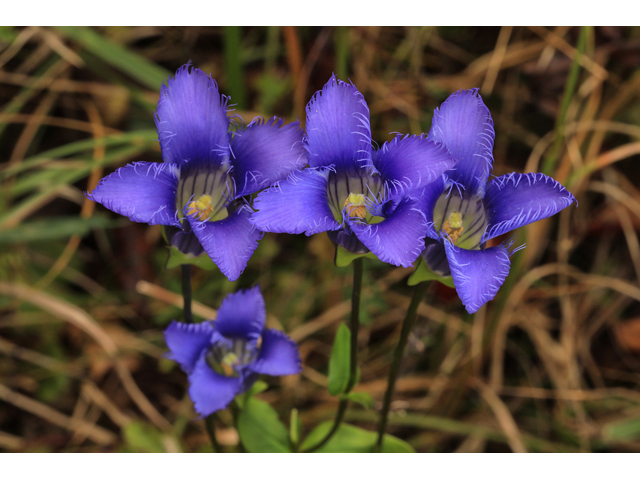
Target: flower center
(460, 218)
(228, 356)
(350, 195)
(454, 226)
(355, 205)
(201, 208)
(204, 193)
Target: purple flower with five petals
(224, 357)
(465, 210)
(359, 195)
(197, 192)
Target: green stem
(354, 325)
(407, 324)
(569, 90)
(233, 65)
(208, 422)
(186, 293)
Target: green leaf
(622, 431)
(363, 398)
(351, 439)
(138, 67)
(260, 429)
(344, 257)
(295, 426)
(423, 273)
(177, 258)
(256, 388)
(53, 228)
(141, 437)
(339, 361)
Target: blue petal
(463, 123)
(242, 315)
(518, 199)
(211, 391)
(143, 191)
(407, 163)
(347, 240)
(436, 257)
(296, 205)
(398, 239)
(477, 274)
(278, 355)
(187, 243)
(338, 131)
(427, 199)
(187, 341)
(192, 119)
(229, 242)
(265, 152)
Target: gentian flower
(359, 195)
(197, 192)
(224, 357)
(465, 211)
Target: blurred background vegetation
(552, 364)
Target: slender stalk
(208, 422)
(354, 325)
(186, 293)
(407, 324)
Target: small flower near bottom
(224, 357)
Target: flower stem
(407, 323)
(354, 325)
(186, 292)
(208, 422)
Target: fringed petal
(278, 355)
(518, 199)
(187, 342)
(242, 315)
(144, 192)
(192, 119)
(338, 130)
(463, 123)
(298, 204)
(211, 391)
(265, 152)
(397, 240)
(411, 162)
(427, 199)
(477, 274)
(229, 242)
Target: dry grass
(550, 365)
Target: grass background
(552, 364)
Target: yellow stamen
(201, 208)
(355, 205)
(453, 226)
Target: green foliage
(344, 257)
(339, 361)
(141, 437)
(147, 73)
(363, 398)
(260, 429)
(352, 439)
(177, 258)
(423, 273)
(54, 228)
(622, 430)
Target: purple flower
(464, 211)
(359, 195)
(224, 357)
(197, 192)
